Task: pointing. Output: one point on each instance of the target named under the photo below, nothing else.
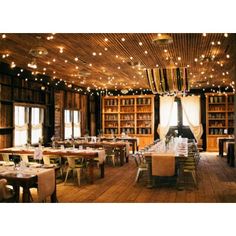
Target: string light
(140, 43)
(3, 36)
(226, 35)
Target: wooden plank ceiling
(101, 61)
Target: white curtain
(21, 126)
(192, 110)
(36, 124)
(166, 107)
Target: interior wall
(28, 90)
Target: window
(28, 125)
(72, 124)
(21, 126)
(36, 124)
(68, 124)
(76, 120)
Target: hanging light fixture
(162, 39)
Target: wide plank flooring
(216, 183)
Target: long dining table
(179, 149)
(30, 177)
(89, 155)
(123, 147)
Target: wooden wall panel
(59, 105)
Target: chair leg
(113, 160)
(78, 175)
(68, 170)
(194, 178)
(137, 176)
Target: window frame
(72, 122)
(28, 115)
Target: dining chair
(110, 155)
(188, 168)
(6, 194)
(55, 160)
(141, 165)
(5, 156)
(72, 166)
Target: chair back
(163, 165)
(71, 162)
(24, 158)
(5, 156)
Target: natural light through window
(21, 127)
(36, 123)
(76, 120)
(174, 115)
(68, 124)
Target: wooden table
(88, 155)
(119, 145)
(230, 154)
(221, 142)
(26, 181)
(132, 141)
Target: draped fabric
(166, 107)
(192, 111)
(167, 80)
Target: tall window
(36, 124)
(21, 125)
(28, 125)
(76, 121)
(72, 124)
(68, 124)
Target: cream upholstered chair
(72, 166)
(24, 158)
(6, 194)
(5, 157)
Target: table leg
(221, 144)
(26, 194)
(122, 156)
(91, 171)
(149, 172)
(102, 170)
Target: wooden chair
(110, 155)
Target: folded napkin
(38, 154)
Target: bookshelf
(132, 115)
(219, 118)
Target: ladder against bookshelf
(219, 118)
(133, 115)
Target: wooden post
(234, 78)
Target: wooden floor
(217, 183)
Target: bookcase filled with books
(219, 118)
(130, 115)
